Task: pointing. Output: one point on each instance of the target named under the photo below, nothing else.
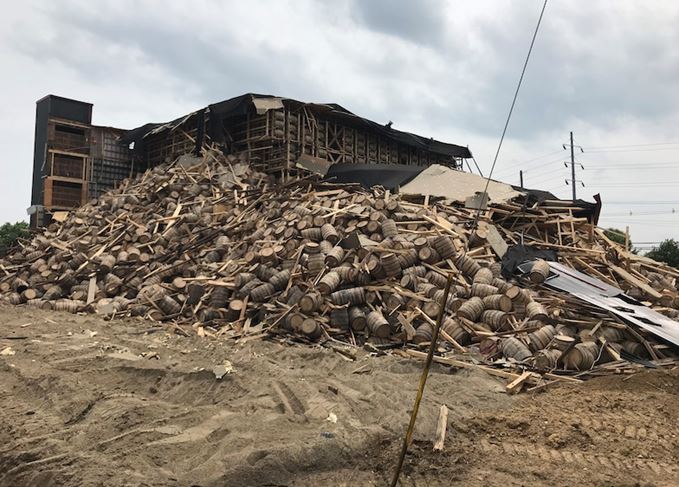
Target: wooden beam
(635, 282)
(441, 427)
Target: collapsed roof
(453, 186)
(240, 122)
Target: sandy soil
(90, 402)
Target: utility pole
(572, 167)
(521, 177)
(572, 163)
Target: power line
(645, 202)
(632, 145)
(592, 151)
(541, 157)
(536, 161)
(546, 166)
(633, 214)
(645, 163)
(511, 110)
(540, 165)
(594, 167)
(623, 167)
(535, 182)
(644, 223)
(645, 184)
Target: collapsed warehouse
(75, 160)
(225, 228)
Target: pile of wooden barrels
(221, 247)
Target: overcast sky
(608, 70)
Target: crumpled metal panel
(612, 299)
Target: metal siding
(39, 150)
(78, 111)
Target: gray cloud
(435, 67)
(420, 22)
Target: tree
(618, 236)
(9, 233)
(667, 252)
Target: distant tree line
(10, 233)
(667, 252)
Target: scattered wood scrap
(221, 249)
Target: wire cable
(509, 115)
(598, 151)
(477, 166)
(635, 203)
(538, 164)
(631, 145)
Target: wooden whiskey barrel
(495, 318)
(329, 282)
(535, 311)
(512, 347)
(438, 280)
(539, 272)
(483, 290)
(219, 297)
(471, 309)
(67, 305)
(390, 264)
(376, 270)
(547, 359)
(263, 292)
(456, 331)
(429, 255)
(334, 257)
(280, 280)
(310, 302)
(467, 265)
(562, 342)
(357, 318)
(542, 337)
(329, 233)
(581, 357)
(418, 270)
(353, 296)
(498, 301)
(316, 263)
(339, 318)
(311, 328)
(378, 325)
(444, 246)
(234, 309)
(408, 258)
(423, 334)
(483, 276)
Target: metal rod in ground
(423, 381)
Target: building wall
(276, 139)
(111, 160)
(74, 160)
(67, 152)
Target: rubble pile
(212, 246)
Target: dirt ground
(90, 402)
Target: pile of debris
(212, 245)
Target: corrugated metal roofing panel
(612, 299)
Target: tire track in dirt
(580, 458)
(88, 409)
